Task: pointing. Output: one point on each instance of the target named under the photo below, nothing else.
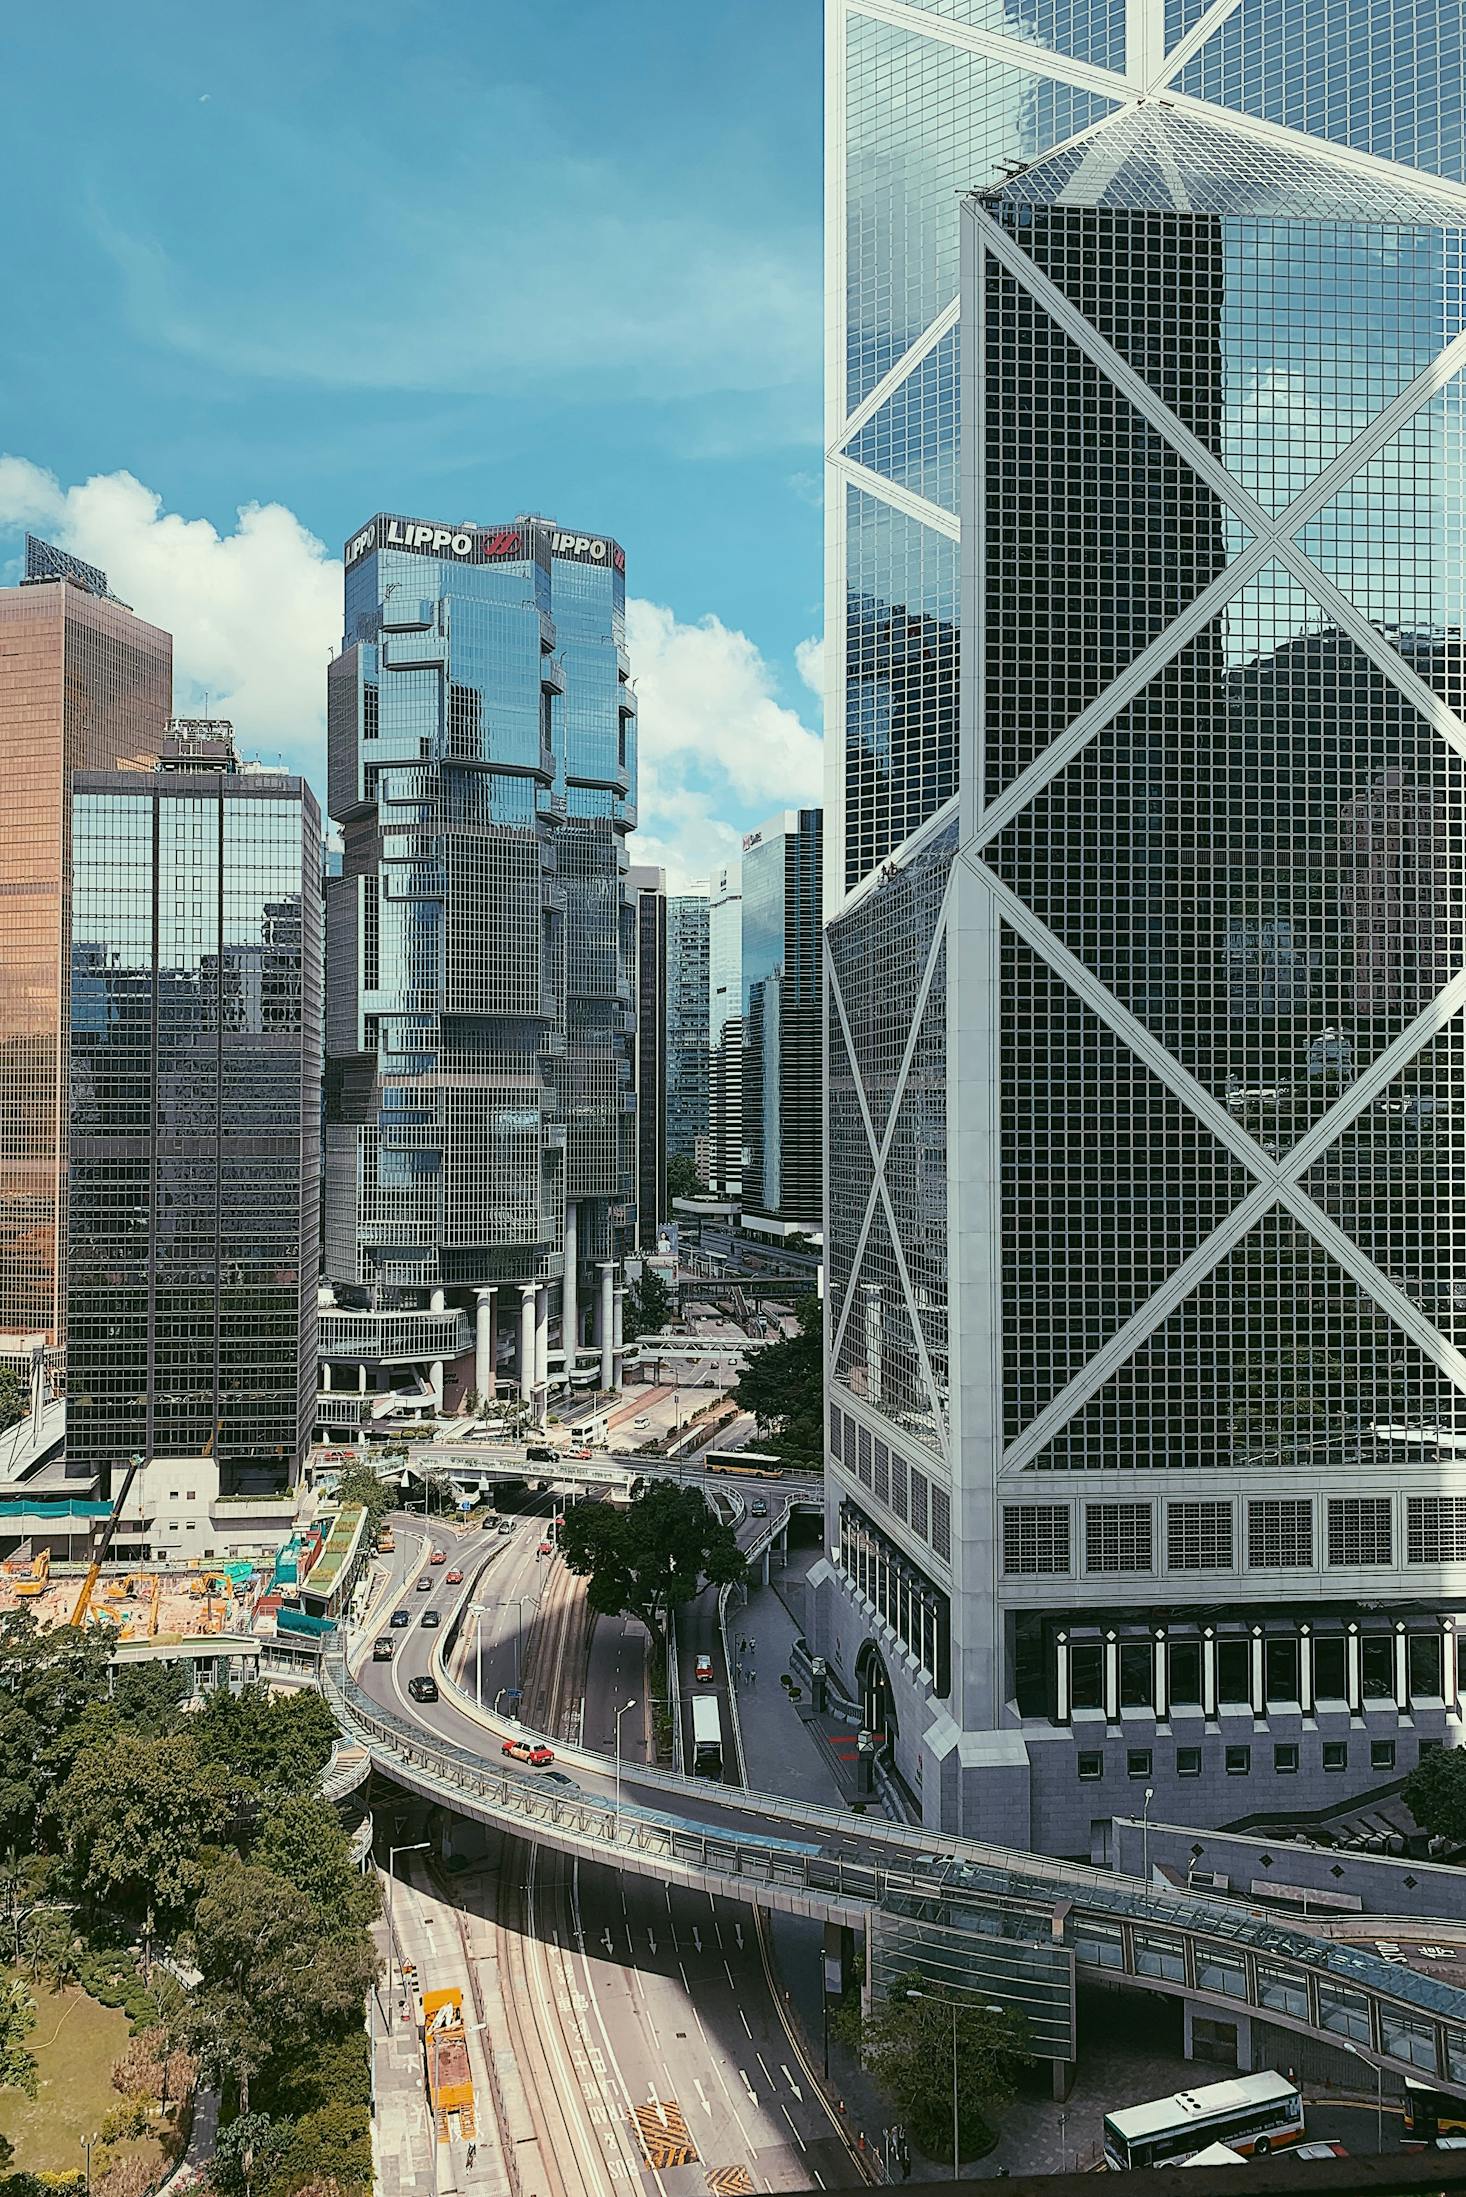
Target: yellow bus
(745, 1464)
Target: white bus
(1252, 2114)
(707, 1737)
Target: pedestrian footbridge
(1011, 1926)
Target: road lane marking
(793, 2085)
(697, 1937)
(746, 2030)
(763, 2063)
(702, 2097)
(790, 2119)
(727, 1971)
(748, 2086)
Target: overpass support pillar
(1063, 2078)
(1218, 2021)
(618, 1314)
(763, 1567)
(484, 1345)
(570, 1291)
(526, 1341)
(541, 1350)
(837, 1959)
(606, 1320)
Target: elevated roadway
(1023, 1922)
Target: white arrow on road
(608, 1941)
(702, 2096)
(738, 1935)
(697, 1937)
(651, 1941)
(793, 2085)
(748, 2086)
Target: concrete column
(526, 1341)
(1112, 1678)
(542, 1340)
(437, 1302)
(435, 1381)
(618, 1302)
(1208, 1672)
(606, 1320)
(1061, 1678)
(1402, 1671)
(485, 1344)
(1305, 1670)
(1448, 1664)
(325, 1380)
(361, 1379)
(1353, 1678)
(1259, 1687)
(570, 1289)
(1161, 1688)
(764, 1568)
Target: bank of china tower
(1146, 1222)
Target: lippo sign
(470, 545)
(479, 545)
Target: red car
(524, 1750)
(546, 1548)
(439, 1556)
(455, 1577)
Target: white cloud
(809, 662)
(256, 612)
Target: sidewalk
(409, 2157)
(786, 1747)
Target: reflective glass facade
(782, 1082)
(648, 891)
(1148, 963)
(687, 1025)
(482, 737)
(84, 685)
(194, 1122)
(725, 1031)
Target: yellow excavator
(104, 1542)
(29, 1574)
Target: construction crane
(99, 1553)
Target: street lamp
(86, 2145)
(1145, 1841)
(619, 1714)
(956, 2007)
(415, 1846)
(1379, 2091)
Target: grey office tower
(480, 1131)
(194, 1188)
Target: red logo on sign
(503, 544)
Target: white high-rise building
(1146, 957)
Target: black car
(381, 1651)
(400, 1618)
(537, 1454)
(430, 1619)
(423, 1689)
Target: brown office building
(84, 685)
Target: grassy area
(74, 2043)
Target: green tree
(655, 1553)
(248, 2152)
(782, 1386)
(139, 1818)
(907, 2043)
(682, 1179)
(15, 1397)
(51, 1676)
(279, 1742)
(273, 1974)
(301, 1839)
(334, 2143)
(358, 1483)
(17, 2020)
(1435, 1792)
(649, 1306)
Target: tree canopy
(782, 1386)
(682, 1179)
(1435, 1792)
(15, 1397)
(648, 1307)
(656, 1552)
(907, 2043)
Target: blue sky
(450, 257)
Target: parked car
(400, 1618)
(527, 1750)
(702, 1670)
(423, 1689)
(439, 1556)
(454, 1578)
(381, 1651)
(430, 1619)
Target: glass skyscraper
(480, 1138)
(194, 1118)
(1147, 960)
(687, 1028)
(647, 890)
(783, 1132)
(725, 1032)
